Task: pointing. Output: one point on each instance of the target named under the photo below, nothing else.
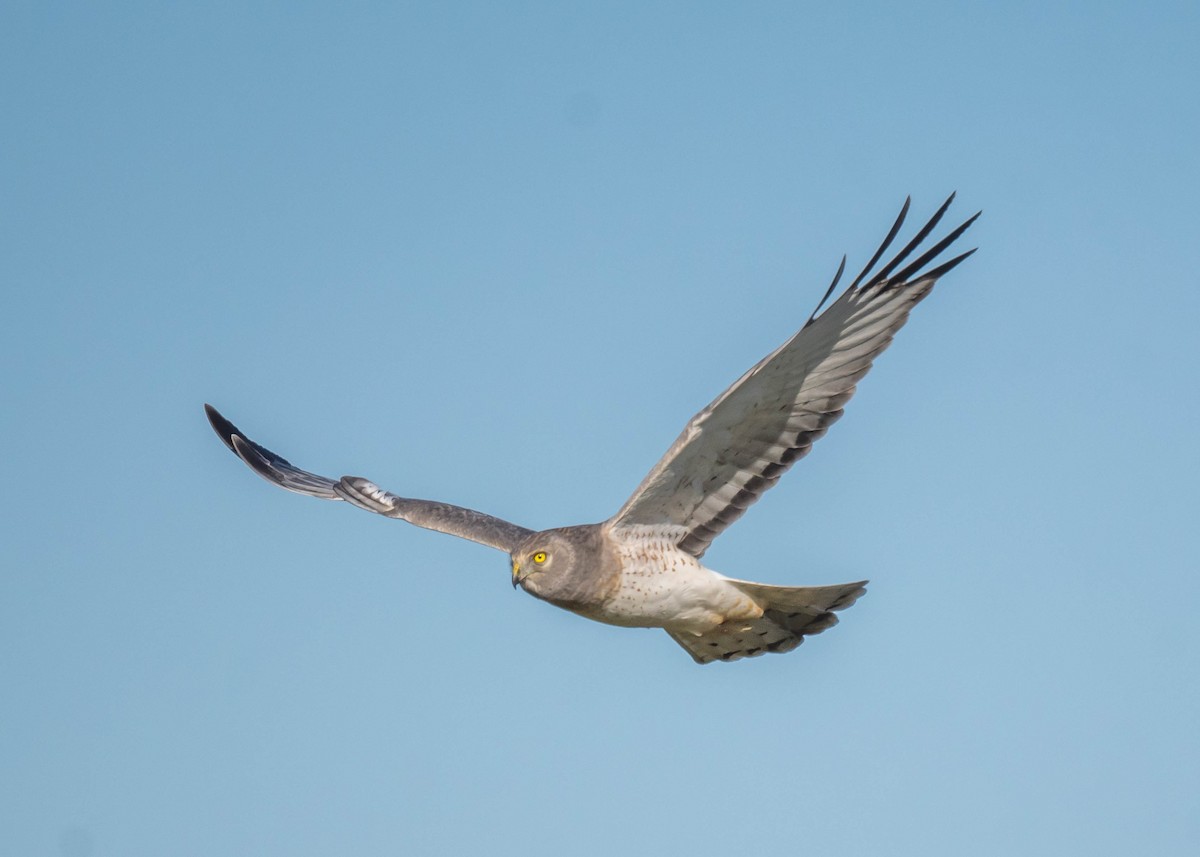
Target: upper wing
(739, 446)
(455, 520)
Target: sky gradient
(497, 255)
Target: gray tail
(790, 613)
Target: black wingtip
(829, 291)
(947, 267)
(887, 242)
(932, 253)
(223, 427)
(883, 275)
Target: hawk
(642, 567)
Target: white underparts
(664, 587)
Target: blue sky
(497, 254)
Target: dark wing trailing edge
(453, 520)
(735, 449)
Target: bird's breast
(661, 586)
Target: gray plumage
(641, 568)
(454, 520)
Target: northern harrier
(641, 567)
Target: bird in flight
(642, 567)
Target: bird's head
(573, 567)
(541, 560)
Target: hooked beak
(516, 573)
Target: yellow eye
(539, 557)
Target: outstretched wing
(738, 447)
(454, 520)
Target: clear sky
(497, 254)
